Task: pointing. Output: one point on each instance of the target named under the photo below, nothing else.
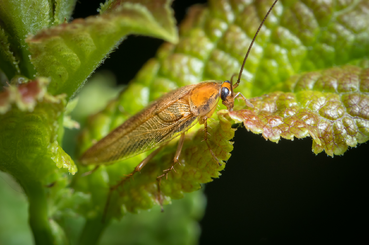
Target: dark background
(269, 193)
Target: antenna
(252, 42)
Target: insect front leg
(248, 103)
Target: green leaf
(8, 63)
(63, 11)
(29, 132)
(20, 18)
(159, 11)
(332, 106)
(69, 53)
(13, 211)
(303, 36)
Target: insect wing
(160, 122)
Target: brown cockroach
(165, 119)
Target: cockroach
(165, 119)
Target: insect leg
(248, 103)
(176, 157)
(179, 148)
(138, 168)
(207, 143)
(167, 171)
(91, 171)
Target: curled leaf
(29, 132)
(159, 11)
(63, 10)
(69, 53)
(19, 19)
(332, 106)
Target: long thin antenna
(252, 42)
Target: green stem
(92, 231)
(38, 215)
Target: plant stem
(92, 231)
(38, 215)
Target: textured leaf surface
(20, 18)
(332, 106)
(310, 36)
(69, 53)
(8, 63)
(63, 11)
(159, 10)
(212, 44)
(29, 132)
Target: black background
(269, 193)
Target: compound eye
(224, 93)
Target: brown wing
(162, 121)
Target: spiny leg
(239, 93)
(167, 171)
(248, 103)
(207, 143)
(138, 168)
(176, 156)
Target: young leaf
(20, 18)
(63, 11)
(29, 132)
(8, 63)
(69, 53)
(332, 106)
